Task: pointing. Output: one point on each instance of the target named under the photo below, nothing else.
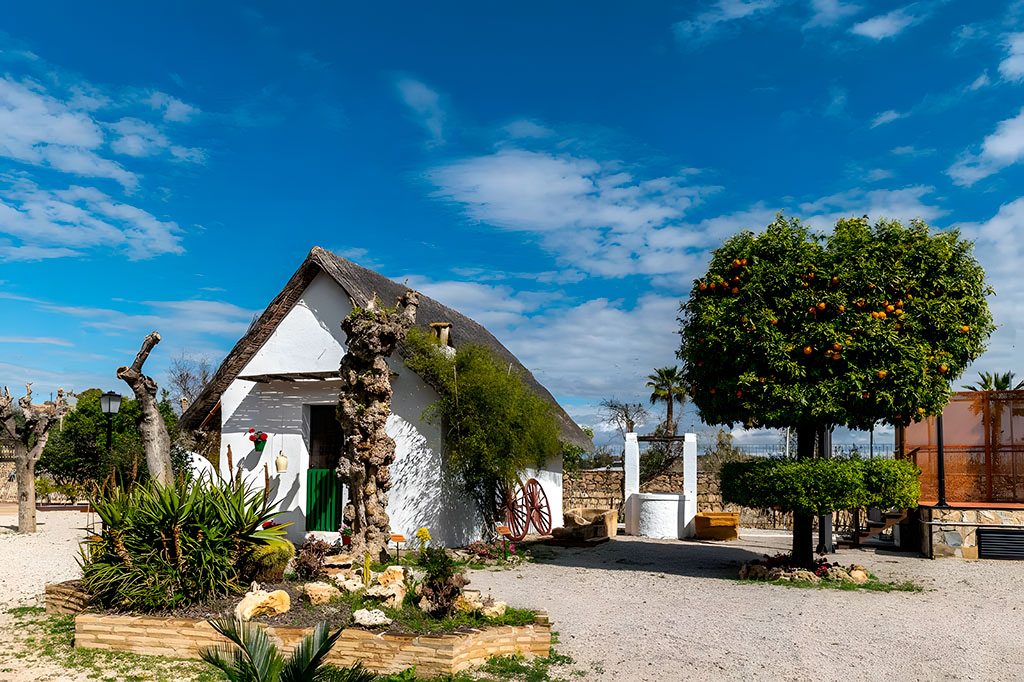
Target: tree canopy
(867, 324)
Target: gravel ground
(29, 562)
(640, 609)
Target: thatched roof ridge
(362, 285)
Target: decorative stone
(392, 594)
(391, 574)
(495, 610)
(338, 560)
(348, 584)
(806, 576)
(426, 605)
(838, 574)
(469, 601)
(259, 602)
(859, 574)
(320, 593)
(953, 538)
(370, 618)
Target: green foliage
(868, 324)
(572, 457)
(266, 563)
(495, 427)
(442, 583)
(78, 451)
(255, 658)
(820, 486)
(667, 386)
(163, 547)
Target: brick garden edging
(66, 598)
(432, 655)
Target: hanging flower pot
(258, 438)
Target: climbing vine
(494, 426)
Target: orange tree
(791, 328)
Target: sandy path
(28, 562)
(637, 609)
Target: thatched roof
(361, 285)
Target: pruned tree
(364, 404)
(624, 416)
(790, 328)
(26, 429)
(155, 439)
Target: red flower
(252, 430)
(252, 437)
(263, 436)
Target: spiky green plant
(266, 563)
(255, 658)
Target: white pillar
(631, 485)
(689, 484)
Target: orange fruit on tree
(890, 308)
(808, 350)
(735, 279)
(842, 309)
(739, 394)
(743, 262)
(871, 286)
(881, 315)
(864, 396)
(882, 373)
(821, 306)
(943, 369)
(965, 329)
(736, 263)
(835, 280)
(735, 291)
(920, 410)
(704, 286)
(837, 356)
(836, 346)
(713, 286)
(775, 321)
(712, 391)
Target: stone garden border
(432, 655)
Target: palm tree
(995, 382)
(669, 388)
(254, 658)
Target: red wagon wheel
(512, 507)
(538, 509)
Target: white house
(280, 379)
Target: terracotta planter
(346, 540)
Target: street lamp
(110, 403)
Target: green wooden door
(325, 500)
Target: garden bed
(381, 652)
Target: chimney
(442, 332)
(184, 404)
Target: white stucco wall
(309, 339)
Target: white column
(689, 485)
(631, 485)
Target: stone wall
(432, 655)
(961, 541)
(603, 489)
(66, 598)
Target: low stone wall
(961, 541)
(432, 655)
(66, 598)
(603, 489)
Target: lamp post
(110, 403)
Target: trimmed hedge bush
(821, 486)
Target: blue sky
(558, 171)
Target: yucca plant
(255, 658)
(164, 546)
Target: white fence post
(631, 484)
(689, 484)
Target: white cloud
(980, 82)
(1002, 148)
(46, 340)
(41, 130)
(494, 306)
(877, 174)
(830, 12)
(899, 204)
(138, 138)
(594, 214)
(61, 223)
(1012, 67)
(886, 117)
(426, 104)
(705, 25)
(172, 108)
(837, 101)
(887, 25)
(524, 128)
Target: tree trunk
(803, 524)
(155, 439)
(364, 404)
(25, 474)
(670, 427)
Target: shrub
(162, 547)
(266, 563)
(309, 564)
(820, 486)
(442, 584)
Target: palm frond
(309, 654)
(254, 654)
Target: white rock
(370, 618)
(392, 594)
(391, 574)
(494, 610)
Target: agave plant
(255, 658)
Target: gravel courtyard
(637, 609)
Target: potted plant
(258, 438)
(346, 536)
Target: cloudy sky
(558, 171)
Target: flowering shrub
(255, 435)
(490, 550)
(784, 560)
(423, 535)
